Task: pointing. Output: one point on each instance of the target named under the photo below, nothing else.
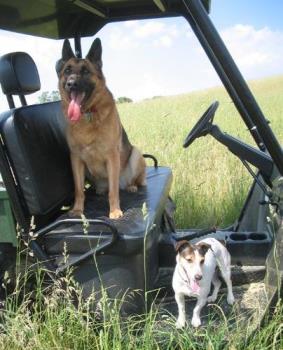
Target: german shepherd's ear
(180, 245)
(58, 66)
(67, 51)
(95, 53)
(203, 247)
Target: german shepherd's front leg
(113, 170)
(78, 168)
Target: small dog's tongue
(195, 286)
(74, 109)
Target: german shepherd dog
(97, 140)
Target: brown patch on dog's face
(185, 250)
(180, 245)
(81, 79)
(192, 253)
(202, 248)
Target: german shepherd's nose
(72, 83)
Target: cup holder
(257, 236)
(238, 237)
(248, 248)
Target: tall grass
(49, 319)
(210, 184)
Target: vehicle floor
(246, 313)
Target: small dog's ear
(203, 247)
(95, 53)
(180, 245)
(67, 51)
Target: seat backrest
(38, 153)
(34, 144)
(18, 76)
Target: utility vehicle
(136, 252)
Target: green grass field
(210, 186)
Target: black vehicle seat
(34, 147)
(34, 140)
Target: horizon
(162, 57)
(221, 86)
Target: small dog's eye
(189, 260)
(202, 262)
(68, 70)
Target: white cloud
(174, 31)
(148, 86)
(133, 34)
(148, 29)
(164, 40)
(120, 40)
(158, 57)
(189, 34)
(257, 52)
(130, 24)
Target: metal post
(23, 100)
(217, 46)
(10, 101)
(78, 47)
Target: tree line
(50, 96)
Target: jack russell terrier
(195, 270)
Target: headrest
(18, 74)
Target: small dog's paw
(132, 188)
(180, 324)
(211, 299)
(75, 212)
(196, 322)
(116, 214)
(230, 299)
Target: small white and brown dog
(195, 270)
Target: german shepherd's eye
(68, 70)
(84, 71)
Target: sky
(142, 59)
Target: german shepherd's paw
(75, 212)
(116, 214)
(132, 188)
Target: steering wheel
(202, 126)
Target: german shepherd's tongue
(74, 109)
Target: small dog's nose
(198, 277)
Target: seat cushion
(35, 142)
(142, 214)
